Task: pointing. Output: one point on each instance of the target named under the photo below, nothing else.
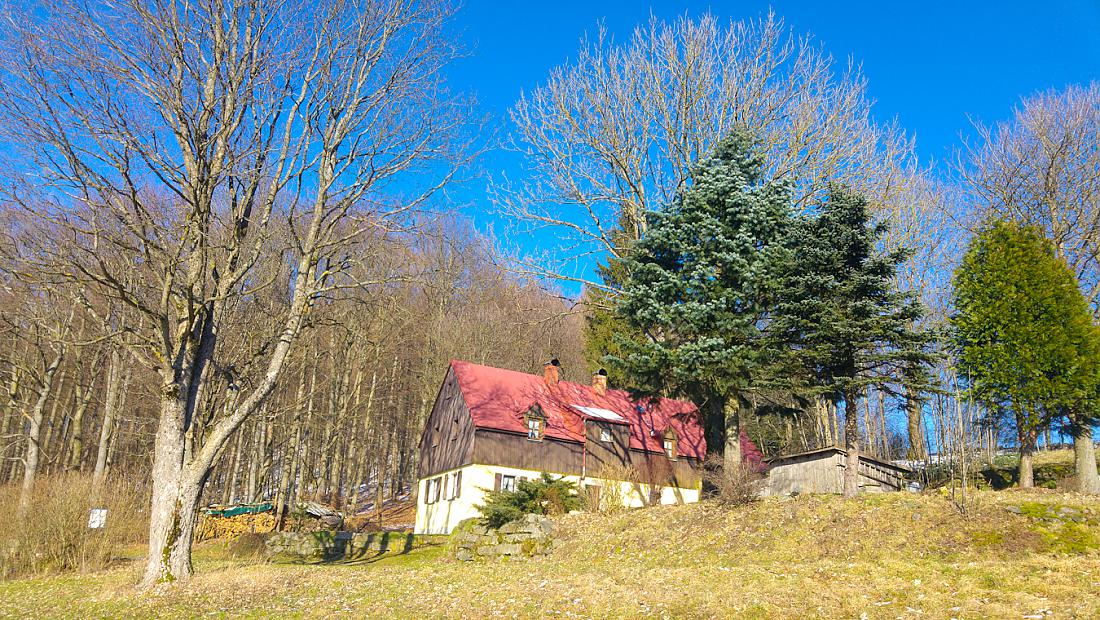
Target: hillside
(889, 556)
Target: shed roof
(498, 399)
(834, 450)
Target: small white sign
(97, 518)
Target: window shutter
(458, 483)
(447, 486)
(496, 482)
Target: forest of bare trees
(343, 424)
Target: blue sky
(932, 65)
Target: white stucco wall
(442, 516)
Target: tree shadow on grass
(351, 549)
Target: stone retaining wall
(530, 536)
(328, 546)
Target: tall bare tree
(614, 133)
(165, 142)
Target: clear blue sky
(929, 64)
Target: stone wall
(530, 536)
(328, 546)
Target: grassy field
(1015, 555)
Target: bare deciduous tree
(165, 143)
(614, 133)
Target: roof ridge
(625, 393)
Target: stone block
(508, 549)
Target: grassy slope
(888, 556)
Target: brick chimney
(599, 382)
(551, 371)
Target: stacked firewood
(212, 526)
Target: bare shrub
(54, 536)
(616, 498)
(737, 487)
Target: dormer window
(670, 445)
(536, 425)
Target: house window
(670, 445)
(508, 483)
(605, 435)
(535, 428)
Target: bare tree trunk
(256, 457)
(914, 424)
(289, 462)
(833, 418)
(731, 455)
(870, 432)
(167, 507)
(362, 460)
(1084, 453)
(11, 418)
(230, 490)
(851, 443)
(301, 481)
(1027, 449)
(34, 434)
(76, 446)
(117, 382)
(49, 422)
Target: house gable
(448, 437)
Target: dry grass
(886, 556)
(54, 535)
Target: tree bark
(731, 454)
(76, 445)
(1084, 453)
(32, 455)
(49, 422)
(116, 386)
(1027, 449)
(11, 419)
(166, 512)
(851, 443)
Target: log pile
(212, 526)
(229, 522)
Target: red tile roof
(498, 399)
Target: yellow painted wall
(442, 516)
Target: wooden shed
(822, 471)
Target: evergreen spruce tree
(838, 309)
(1026, 340)
(694, 287)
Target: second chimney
(599, 382)
(551, 371)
